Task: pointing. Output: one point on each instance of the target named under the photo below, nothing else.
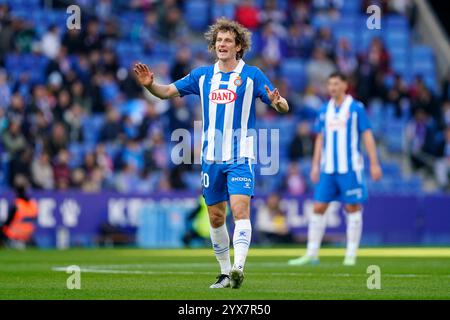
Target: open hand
(143, 74)
(274, 95)
(375, 172)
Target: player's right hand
(315, 173)
(143, 74)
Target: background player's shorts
(220, 180)
(347, 188)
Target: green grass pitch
(406, 273)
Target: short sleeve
(261, 81)
(189, 84)
(363, 120)
(319, 123)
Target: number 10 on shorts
(205, 180)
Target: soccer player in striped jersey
(228, 90)
(337, 167)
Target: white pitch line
(91, 269)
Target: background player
(228, 90)
(337, 167)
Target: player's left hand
(375, 172)
(274, 95)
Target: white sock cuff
(317, 217)
(243, 224)
(220, 229)
(354, 216)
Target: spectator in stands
(325, 41)
(61, 170)
(445, 114)
(299, 13)
(373, 66)
(426, 101)
(92, 37)
(112, 129)
(169, 19)
(420, 140)
(43, 101)
(148, 34)
(160, 154)
(127, 179)
(272, 14)
(20, 165)
(223, 8)
(79, 96)
(103, 160)
(319, 68)
(133, 154)
(13, 140)
(273, 48)
(93, 182)
(73, 41)
(442, 165)
(398, 95)
(271, 222)
(42, 172)
(5, 90)
(51, 42)
(346, 58)
(301, 40)
(62, 105)
(77, 178)
(248, 14)
(16, 111)
(182, 64)
(103, 9)
(294, 183)
(58, 141)
(446, 87)
(151, 121)
(40, 128)
(6, 32)
(302, 144)
(178, 115)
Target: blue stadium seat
(397, 39)
(397, 22)
(197, 14)
(348, 34)
(353, 6)
(293, 70)
(421, 52)
(365, 38)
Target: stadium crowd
(86, 124)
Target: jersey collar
(237, 69)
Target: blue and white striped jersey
(341, 128)
(228, 108)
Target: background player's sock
(316, 229)
(241, 241)
(221, 246)
(354, 229)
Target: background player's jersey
(228, 108)
(341, 128)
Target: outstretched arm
(315, 165)
(146, 78)
(369, 142)
(278, 102)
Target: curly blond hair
(242, 35)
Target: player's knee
(350, 208)
(320, 208)
(216, 218)
(240, 210)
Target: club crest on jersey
(222, 96)
(238, 81)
